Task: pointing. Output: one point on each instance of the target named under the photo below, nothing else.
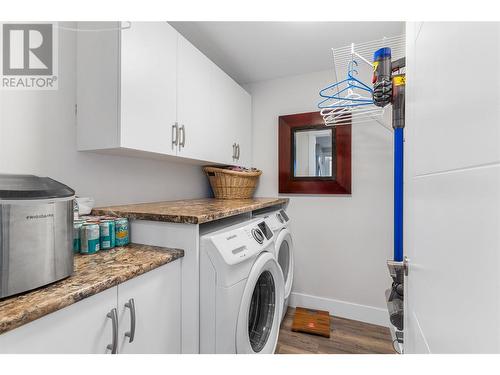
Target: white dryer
(279, 222)
(241, 290)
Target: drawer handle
(130, 334)
(114, 320)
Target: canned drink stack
(107, 234)
(89, 238)
(122, 231)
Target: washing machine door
(261, 307)
(284, 256)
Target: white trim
(343, 309)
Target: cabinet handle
(182, 141)
(113, 315)
(238, 151)
(130, 334)
(175, 135)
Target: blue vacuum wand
(389, 88)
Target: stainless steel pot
(36, 232)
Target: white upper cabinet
(232, 108)
(222, 88)
(97, 85)
(148, 86)
(194, 116)
(143, 88)
(242, 103)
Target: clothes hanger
(344, 94)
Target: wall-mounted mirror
(314, 153)
(313, 158)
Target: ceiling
(258, 51)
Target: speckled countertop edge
(93, 274)
(195, 211)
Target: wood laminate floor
(346, 337)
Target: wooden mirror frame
(288, 183)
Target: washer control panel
(265, 229)
(239, 244)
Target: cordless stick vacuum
(389, 88)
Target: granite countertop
(191, 211)
(93, 274)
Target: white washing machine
(279, 222)
(241, 290)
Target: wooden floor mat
(316, 322)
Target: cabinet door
(157, 300)
(148, 86)
(97, 82)
(232, 111)
(81, 328)
(243, 126)
(194, 103)
(225, 115)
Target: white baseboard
(343, 309)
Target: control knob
(258, 235)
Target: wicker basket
(228, 184)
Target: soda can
(107, 234)
(122, 232)
(77, 226)
(89, 238)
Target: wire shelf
(343, 55)
(361, 52)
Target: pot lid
(18, 186)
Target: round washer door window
(261, 307)
(262, 311)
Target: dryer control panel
(277, 220)
(238, 245)
(283, 215)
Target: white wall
(452, 188)
(341, 242)
(38, 136)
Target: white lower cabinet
(80, 328)
(86, 327)
(156, 298)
